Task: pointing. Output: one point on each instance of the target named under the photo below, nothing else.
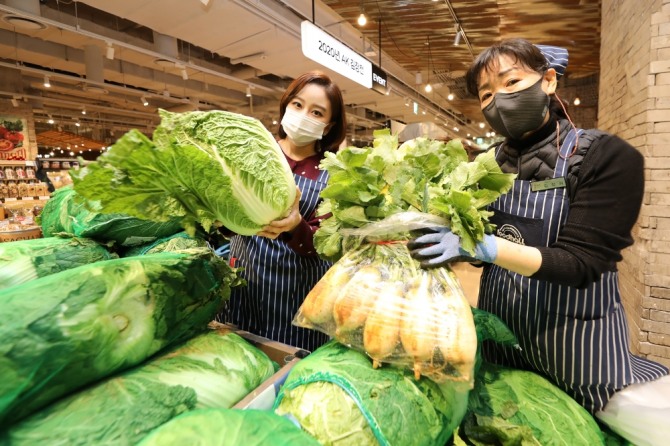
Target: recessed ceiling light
(23, 22)
(94, 89)
(164, 63)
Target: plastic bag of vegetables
(25, 260)
(339, 398)
(212, 370)
(68, 329)
(378, 300)
(220, 427)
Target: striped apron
(578, 338)
(278, 280)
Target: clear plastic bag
(378, 300)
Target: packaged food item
(32, 191)
(66, 165)
(13, 190)
(30, 172)
(46, 164)
(55, 164)
(4, 190)
(20, 173)
(9, 173)
(22, 189)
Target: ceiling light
(77, 123)
(248, 91)
(184, 74)
(457, 38)
(23, 22)
(407, 101)
(164, 63)
(450, 96)
(362, 20)
(418, 79)
(15, 102)
(46, 82)
(428, 88)
(577, 101)
(50, 120)
(481, 125)
(144, 100)
(83, 111)
(110, 51)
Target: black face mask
(515, 114)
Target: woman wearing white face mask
(280, 263)
(550, 268)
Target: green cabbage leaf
(26, 260)
(76, 326)
(211, 370)
(221, 427)
(340, 399)
(67, 213)
(517, 407)
(201, 167)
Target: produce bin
(286, 356)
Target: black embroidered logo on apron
(511, 233)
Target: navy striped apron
(278, 280)
(578, 338)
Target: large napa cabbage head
(202, 167)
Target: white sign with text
(333, 54)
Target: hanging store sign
(333, 54)
(379, 80)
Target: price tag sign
(7, 200)
(321, 47)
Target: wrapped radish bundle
(378, 300)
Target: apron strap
(569, 142)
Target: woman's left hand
(286, 224)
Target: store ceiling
(198, 54)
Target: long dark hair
(331, 140)
(519, 50)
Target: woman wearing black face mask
(550, 268)
(280, 263)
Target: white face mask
(301, 128)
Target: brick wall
(634, 103)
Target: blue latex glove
(441, 247)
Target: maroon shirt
(301, 239)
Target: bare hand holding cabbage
(201, 167)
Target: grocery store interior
(76, 75)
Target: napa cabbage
(512, 406)
(68, 213)
(25, 260)
(340, 399)
(65, 330)
(211, 370)
(203, 168)
(219, 427)
(176, 242)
